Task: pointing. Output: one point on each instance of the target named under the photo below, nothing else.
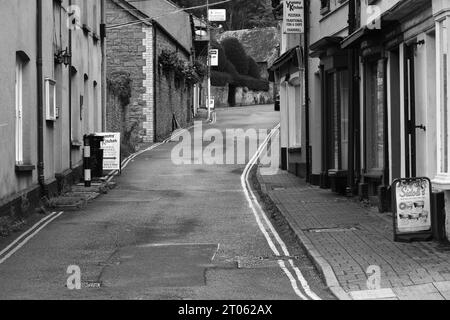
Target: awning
(357, 37)
(320, 47)
(292, 56)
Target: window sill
(76, 144)
(441, 182)
(25, 168)
(295, 149)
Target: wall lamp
(63, 57)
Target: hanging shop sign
(412, 209)
(293, 16)
(214, 57)
(111, 150)
(217, 15)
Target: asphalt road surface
(166, 232)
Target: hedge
(220, 79)
(251, 83)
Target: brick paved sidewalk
(344, 238)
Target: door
(412, 124)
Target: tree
(236, 54)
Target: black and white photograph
(225, 157)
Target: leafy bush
(119, 83)
(201, 69)
(168, 59)
(220, 79)
(253, 69)
(236, 54)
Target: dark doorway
(231, 96)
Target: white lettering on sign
(111, 150)
(293, 16)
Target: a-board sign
(293, 16)
(217, 15)
(214, 57)
(411, 200)
(111, 150)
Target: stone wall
(244, 96)
(173, 96)
(125, 53)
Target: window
(339, 107)
(324, 6)
(50, 100)
(19, 111)
(374, 115)
(443, 88)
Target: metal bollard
(87, 162)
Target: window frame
(19, 143)
(442, 70)
(51, 113)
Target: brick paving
(351, 237)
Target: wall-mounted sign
(412, 209)
(293, 16)
(214, 57)
(111, 150)
(217, 15)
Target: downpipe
(40, 106)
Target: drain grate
(333, 229)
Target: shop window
(374, 116)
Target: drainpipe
(40, 106)
(103, 71)
(70, 95)
(306, 52)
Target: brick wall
(125, 52)
(170, 98)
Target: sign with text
(111, 150)
(217, 15)
(293, 16)
(214, 57)
(412, 209)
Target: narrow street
(166, 232)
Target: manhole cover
(334, 229)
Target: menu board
(412, 209)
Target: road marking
(270, 230)
(24, 242)
(26, 233)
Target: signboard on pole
(212, 103)
(214, 57)
(217, 15)
(412, 209)
(293, 16)
(111, 150)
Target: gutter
(40, 106)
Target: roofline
(132, 10)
